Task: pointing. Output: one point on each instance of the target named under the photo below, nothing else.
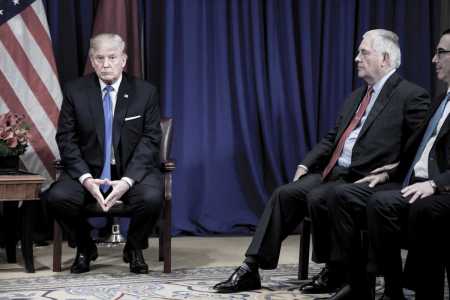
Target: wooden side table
(20, 187)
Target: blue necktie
(107, 112)
(429, 132)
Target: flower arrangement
(14, 134)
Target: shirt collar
(115, 85)
(379, 85)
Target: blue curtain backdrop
(251, 85)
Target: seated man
(369, 133)
(419, 184)
(109, 139)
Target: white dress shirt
(421, 166)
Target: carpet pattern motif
(180, 284)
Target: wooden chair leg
(161, 239)
(304, 250)
(167, 240)
(26, 237)
(11, 215)
(57, 245)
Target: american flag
(28, 79)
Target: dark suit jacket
(397, 112)
(136, 142)
(440, 152)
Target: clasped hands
(119, 187)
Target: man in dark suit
(420, 186)
(370, 131)
(109, 138)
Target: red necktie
(355, 121)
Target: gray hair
(385, 41)
(112, 38)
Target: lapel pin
(125, 96)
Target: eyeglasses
(440, 52)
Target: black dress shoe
(322, 283)
(136, 260)
(241, 280)
(83, 259)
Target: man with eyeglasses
(370, 131)
(109, 139)
(413, 210)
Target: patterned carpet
(180, 284)
(109, 278)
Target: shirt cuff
(303, 167)
(84, 177)
(128, 180)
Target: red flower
(14, 134)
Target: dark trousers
(348, 216)
(285, 210)
(394, 223)
(429, 251)
(67, 197)
(387, 214)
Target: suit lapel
(446, 126)
(351, 111)
(123, 99)
(384, 97)
(96, 109)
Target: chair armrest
(168, 166)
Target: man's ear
(386, 59)
(91, 60)
(124, 60)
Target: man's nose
(434, 59)
(106, 62)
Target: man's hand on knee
(418, 190)
(374, 179)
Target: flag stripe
(21, 90)
(28, 71)
(34, 25)
(37, 58)
(38, 142)
(39, 9)
(29, 82)
(34, 164)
